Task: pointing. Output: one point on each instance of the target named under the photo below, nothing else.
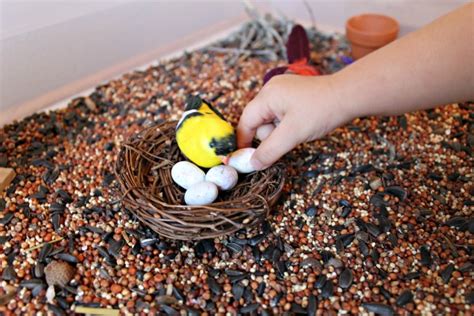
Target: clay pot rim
(369, 38)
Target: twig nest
(225, 177)
(59, 273)
(240, 160)
(143, 169)
(187, 174)
(202, 193)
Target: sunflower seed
(404, 298)
(56, 218)
(336, 263)
(364, 249)
(6, 218)
(426, 258)
(372, 229)
(412, 275)
(67, 257)
(37, 290)
(470, 298)
(3, 239)
(257, 254)
(311, 263)
(377, 200)
(345, 279)
(256, 240)
(169, 310)
(347, 239)
(311, 211)
(396, 191)
(339, 245)
(39, 270)
(447, 272)
(326, 255)
(165, 300)
(45, 252)
(296, 309)
(150, 241)
(214, 286)
(103, 252)
(328, 290)
(268, 252)
(466, 267)
(9, 274)
(379, 309)
(361, 235)
(237, 240)
(393, 240)
(274, 301)
(321, 281)
(65, 197)
(346, 211)
(57, 207)
(237, 291)
(32, 283)
(248, 295)
(261, 288)
(385, 293)
(249, 308)
(56, 251)
(56, 310)
(457, 222)
(234, 248)
(312, 305)
(116, 246)
(231, 272)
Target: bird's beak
(224, 159)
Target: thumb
(279, 142)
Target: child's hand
(406, 75)
(305, 108)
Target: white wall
(52, 49)
(48, 47)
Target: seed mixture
(376, 217)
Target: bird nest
(143, 169)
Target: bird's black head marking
(224, 146)
(193, 102)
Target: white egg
(201, 193)
(264, 131)
(240, 160)
(225, 177)
(186, 174)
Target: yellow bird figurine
(203, 135)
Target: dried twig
(42, 244)
(96, 311)
(311, 13)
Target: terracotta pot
(367, 32)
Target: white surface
(20, 16)
(37, 57)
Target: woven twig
(143, 169)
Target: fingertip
(256, 163)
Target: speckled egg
(186, 174)
(240, 160)
(225, 177)
(201, 193)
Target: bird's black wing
(195, 102)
